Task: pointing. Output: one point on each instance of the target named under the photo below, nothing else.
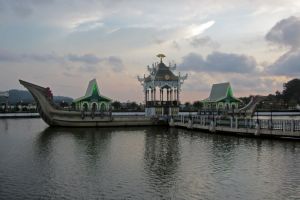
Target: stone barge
(54, 116)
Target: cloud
(24, 8)
(86, 58)
(175, 45)
(219, 62)
(204, 41)
(6, 56)
(288, 64)
(115, 63)
(88, 25)
(286, 33)
(88, 69)
(195, 30)
(89, 60)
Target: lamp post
(271, 108)
(256, 116)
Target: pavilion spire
(161, 56)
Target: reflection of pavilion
(162, 157)
(162, 88)
(73, 144)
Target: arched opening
(94, 107)
(165, 93)
(233, 106)
(85, 106)
(102, 107)
(227, 106)
(220, 106)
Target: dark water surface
(37, 162)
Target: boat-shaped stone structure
(53, 115)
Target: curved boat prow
(55, 116)
(251, 107)
(43, 100)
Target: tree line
(288, 98)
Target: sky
(254, 44)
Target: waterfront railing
(237, 122)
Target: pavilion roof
(219, 92)
(162, 73)
(92, 92)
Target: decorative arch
(233, 106)
(102, 107)
(227, 106)
(221, 106)
(94, 106)
(166, 86)
(85, 106)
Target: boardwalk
(244, 126)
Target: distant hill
(16, 96)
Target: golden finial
(161, 56)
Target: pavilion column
(146, 95)
(168, 94)
(177, 94)
(162, 95)
(154, 94)
(175, 90)
(151, 94)
(171, 93)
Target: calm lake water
(37, 162)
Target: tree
(63, 104)
(187, 106)
(291, 92)
(116, 105)
(133, 106)
(197, 105)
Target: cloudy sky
(63, 44)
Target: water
(37, 162)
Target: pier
(242, 126)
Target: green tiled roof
(92, 92)
(220, 92)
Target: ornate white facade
(162, 89)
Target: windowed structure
(92, 100)
(221, 98)
(162, 89)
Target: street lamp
(257, 116)
(271, 108)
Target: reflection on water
(162, 158)
(37, 162)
